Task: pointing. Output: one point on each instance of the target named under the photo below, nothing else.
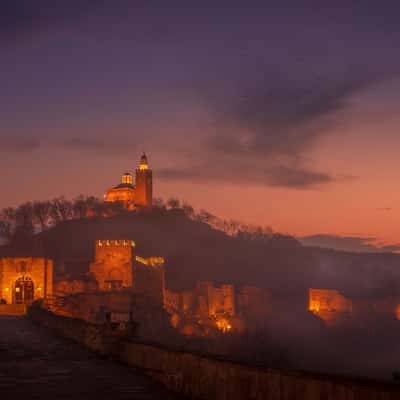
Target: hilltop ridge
(193, 250)
(196, 251)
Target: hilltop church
(135, 195)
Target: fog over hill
(348, 243)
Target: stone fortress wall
(206, 378)
(112, 267)
(25, 279)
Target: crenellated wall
(112, 267)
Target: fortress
(118, 276)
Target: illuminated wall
(328, 300)
(113, 265)
(67, 287)
(25, 279)
(149, 278)
(221, 300)
(207, 307)
(125, 195)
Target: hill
(193, 250)
(196, 251)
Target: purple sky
(284, 106)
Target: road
(37, 365)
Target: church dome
(127, 179)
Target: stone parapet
(204, 377)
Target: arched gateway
(24, 290)
(25, 279)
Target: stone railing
(208, 378)
(95, 337)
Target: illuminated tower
(144, 183)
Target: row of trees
(33, 217)
(229, 226)
(36, 216)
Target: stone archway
(24, 290)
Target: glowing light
(152, 261)
(314, 306)
(7, 289)
(398, 312)
(127, 179)
(223, 325)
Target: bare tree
(206, 217)
(79, 207)
(5, 230)
(8, 218)
(158, 202)
(188, 209)
(114, 208)
(60, 209)
(173, 203)
(25, 219)
(41, 213)
(99, 208)
(231, 227)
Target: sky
(278, 113)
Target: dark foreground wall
(92, 336)
(206, 378)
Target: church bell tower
(144, 183)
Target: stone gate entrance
(24, 290)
